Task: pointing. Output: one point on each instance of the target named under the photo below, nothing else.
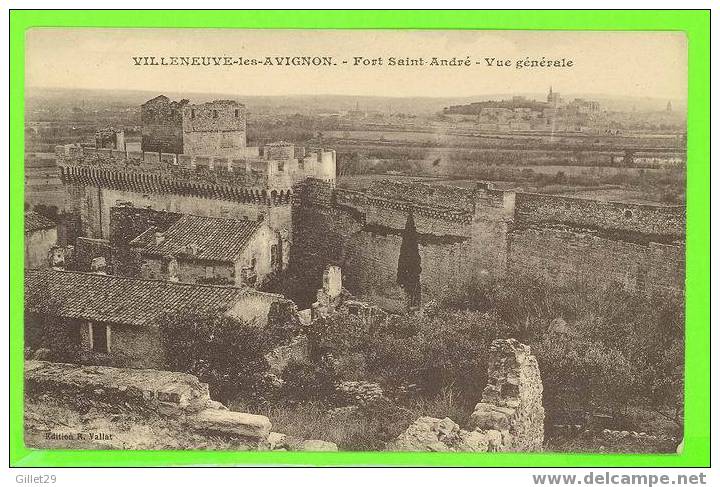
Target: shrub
(220, 350)
(305, 380)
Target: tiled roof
(124, 300)
(217, 239)
(35, 221)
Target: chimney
(98, 265)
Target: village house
(40, 237)
(117, 317)
(206, 250)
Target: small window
(215, 114)
(99, 338)
(192, 113)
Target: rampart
(510, 416)
(464, 234)
(469, 234)
(621, 221)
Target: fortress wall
(366, 234)
(440, 196)
(94, 204)
(657, 222)
(563, 255)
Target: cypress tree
(408, 275)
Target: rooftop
(215, 239)
(124, 300)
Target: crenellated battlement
(255, 177)
(201, 184)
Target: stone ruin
(90, 407)
(153, 409)
(510, 416)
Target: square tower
(217, 128)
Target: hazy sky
(619, 63)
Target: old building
(40, 237)
(209, 250)
(117, 317)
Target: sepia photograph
(464, 241)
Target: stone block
(318, 445)
(231, 423)
(487, 416)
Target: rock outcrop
(90, 407)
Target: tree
(409, 269)
(225, 352)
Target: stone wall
(623, 221)
(162, 125)
(215, 128)
(363, 232)
(510, 416)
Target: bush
(305, 380)
(448, 350)
(226, 353)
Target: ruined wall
(88, 249)
(255, 306)
(510, 416)
(191, 271)
(162, 125)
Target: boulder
(428, 434)
(318, 445)
(488, 416)
(231, 423)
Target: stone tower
(217, 128)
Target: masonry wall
(217, 128)
(462, 238)
(93, 204)
(638, 247)
(254, 306)
(130, 346)
(623, 220)
(191, 271)
(162, 126)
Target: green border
(696, 24)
